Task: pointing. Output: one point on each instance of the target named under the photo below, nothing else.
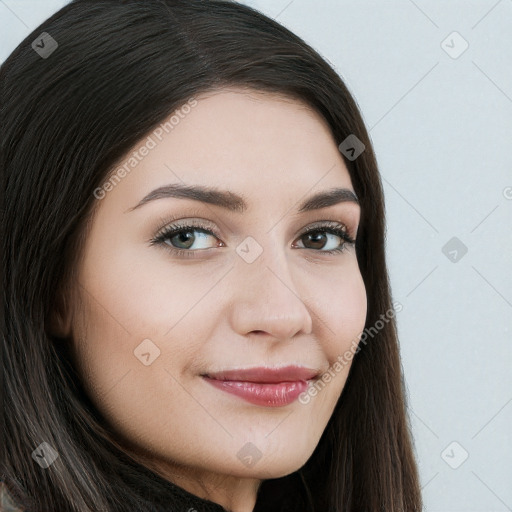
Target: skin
(294, 304)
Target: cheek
(126, 301)
(143, 294)
(340, 308)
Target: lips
(265, 375)
(263, 386)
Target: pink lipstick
(268, 387)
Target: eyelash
(174, 229)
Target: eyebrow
(236, 203)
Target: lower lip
(267, 395)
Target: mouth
(264, 386)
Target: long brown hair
(119, 69)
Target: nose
(266, 300)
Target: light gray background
(442, 132)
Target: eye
(319, 234)
(181, 240)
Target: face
(174, 287)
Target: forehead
(263, 146)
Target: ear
(59, 322)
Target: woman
(194, 252)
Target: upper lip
(265, 374)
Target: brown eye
(317, 238)
(323, 239)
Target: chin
(278, 463)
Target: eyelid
(324, 224)
(177, 224)
(192, 218)
(196, 218)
